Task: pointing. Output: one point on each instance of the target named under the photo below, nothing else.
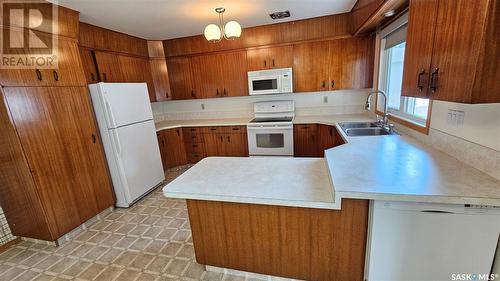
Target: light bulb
(232, 29)
(212, 33)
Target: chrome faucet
(385, 119)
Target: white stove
(270, 133)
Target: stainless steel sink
(351, 125)
(354, 129)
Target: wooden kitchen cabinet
(311, 66)
(181, 78)
(161, 82)
(329, 137)
(234, 73)
(172, 149)
(194, 144)
(67, 72)
(269, 58)
(64, 155)
(443, 63)
(108, 67)
(334, 64)
(89, 66)
(306, 141)
(137, 70)
(225, 141)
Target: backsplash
(316, 103)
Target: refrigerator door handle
(116, 140)
(109, 114)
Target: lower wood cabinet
(311, 140)
(53, 174)
(171, 142)
(191, 144)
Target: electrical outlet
(325, 99)
(455, 118)
(202, 106)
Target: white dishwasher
(431, 242)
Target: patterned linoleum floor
(149, 241)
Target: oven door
(264, 85)
(270, 141)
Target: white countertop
(369, 167)
(299, 182)
(170, 124)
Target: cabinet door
(108, 67)
(235, 144)
(63, 151)
(181, 81)
(305, 139)
(207, 76)
(335, 68)
(418, 50)
(357, 62)
(213, 143)
(69, 70)
(159, 72)
(459, 31)
(310, 66)
(174, 153)
(257, 59)
(234, 73)
(163, 149)
(89, 67)
(327, 138)
(280, 57)
(137, 70)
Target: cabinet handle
(178, 133)
(166, 94)
(333, 84)
(92, 76)
(105, 77)
(162, 143)
(38, 74)
(221, 139)
(94, 139)
(193, 93)
(323, 84)
(225, 93)
(218, 92)
(265, 63)
(228, 138)
(56, 75)
(273, 62)
(419, 77)
(434, 79)
(236, 129)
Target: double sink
(354, 129)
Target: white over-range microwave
(273, 81)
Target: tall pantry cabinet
(53, 173)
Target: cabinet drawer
(193, 130)
(192, 137)
(234, 129)
(195, 148)
(306, 127)
(211, 130)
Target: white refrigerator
(128, 133)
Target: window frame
(381, 60)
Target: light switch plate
(325, 99)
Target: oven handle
(287, 127)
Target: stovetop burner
(271, 119)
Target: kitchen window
(407, 110)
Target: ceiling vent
(280, 15)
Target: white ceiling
(165, 19)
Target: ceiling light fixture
(231, 30)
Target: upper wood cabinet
(269, 58)
(450, 51)
(64, 154)
(108, 67)
(234, 72)
(334, 64)
(181, 78)
(161, 82)
(89, 66)
(137, 70)
(67, 72)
